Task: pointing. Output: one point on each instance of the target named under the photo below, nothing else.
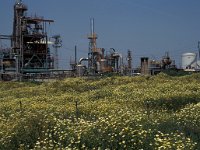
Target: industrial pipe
(82, 59)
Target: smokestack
(199, 48)
(92, 25)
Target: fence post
(76, 104)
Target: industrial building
(152, 67)
(29, 54)
(99, 61)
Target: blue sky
(147, 27)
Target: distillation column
(16, 40)
(92, 48)
(57, 44)
(19, 13)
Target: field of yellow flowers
(149, 113)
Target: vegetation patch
(150, 113)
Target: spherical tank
(189, 60)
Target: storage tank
(198, 64)
(80, 70)
(189, 60)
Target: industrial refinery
(29, 54)
(100, 61)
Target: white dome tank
(189, 60)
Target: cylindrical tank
(189, 60)
(80, 70)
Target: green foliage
(175, 72)
(151, 113)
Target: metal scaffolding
(29, 40)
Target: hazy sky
(147, 27)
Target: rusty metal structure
(30, 41)
(29, 52)
(144, 65)
(166, 61)
(98, 61)
(152, 67)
